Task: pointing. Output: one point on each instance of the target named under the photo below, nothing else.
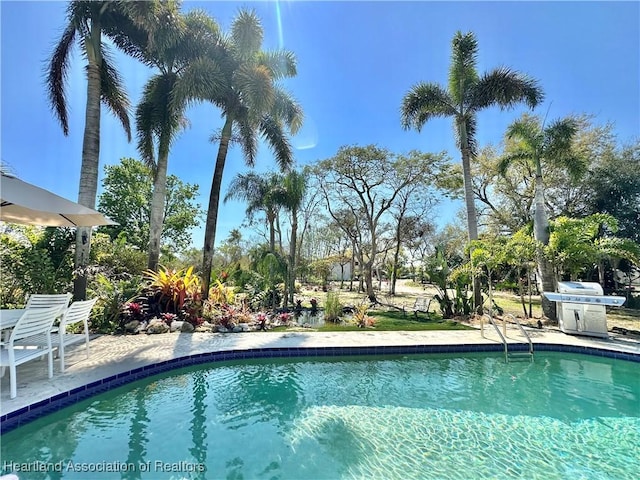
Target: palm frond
(248, 141)
(145, 129)
(462, 72)
(281, 63)
(505, 88)
(255, 86)
(243, 186)
(203, 34)
(157, 116)
(202, 80)
(287, 109)
(527, 129)
(560, 134)
(272, 131)
(509, 159)
(57, 74)
(470, 124)
(112, 92)
(423, 102)
(247, 33)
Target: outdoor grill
(581, 308)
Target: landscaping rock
(244, 327)
(176, 326)
(222, 329)
(132, 326)
(187, 327)
(157, 326)
(237, 329)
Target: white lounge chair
(44, 300)
(33, 322)
(76, 313)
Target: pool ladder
(514, 355)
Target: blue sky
(356, 60)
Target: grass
(397, 321)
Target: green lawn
(396, 321)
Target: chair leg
(61, 355)
(51, 363)
(14, 386)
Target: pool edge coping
(29, 413)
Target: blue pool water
(437, 416)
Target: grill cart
(581, 308)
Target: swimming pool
(420, 416)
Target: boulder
(187, 327)
(176, 326)
(157, 326)
(132, 326)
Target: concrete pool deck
(112, 355)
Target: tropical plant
(576, 245)
(333, 308)
(519, 253)
(220, 294)
(468, 93)
(112, 295)
(362, 318)
(241, 79)
(487, 255)
(174, 287)
(541, 147)
(87, 23)
(451, 285)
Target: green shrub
(332, 308)
(112, 294)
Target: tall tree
(614, 188)
(359, 189)
(541, 146)
(87, 23)
(242, 81)
(178, 41)
(413, 175)
(262, 194)
(468, 93)
(126, 198)
(295, 186)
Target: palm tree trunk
(158, 199)
(292, 254)
(212, 212)
(90, 156)
(546, 277)
(272, 233)
(472, 219)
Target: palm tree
(262, 194)
(295, 186)
(543, 147)
(468, 93)
(87, 22)
(241, 79)
(178, 41)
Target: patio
(111, 355)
